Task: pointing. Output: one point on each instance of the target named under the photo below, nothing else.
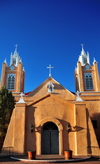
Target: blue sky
(49, 32)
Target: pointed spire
(83, 52)
(5, 61)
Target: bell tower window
(84, 60)
(89, 81)
(11, 82)
(14, 61)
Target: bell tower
(86, 76)
(13, 77)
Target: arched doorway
(50, 139)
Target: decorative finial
(20, 61)
(16, 47)
(94, 61)
(49, 70)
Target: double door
(50, 141)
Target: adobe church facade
(51, 119)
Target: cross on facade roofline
(49, 70)
(21, 94)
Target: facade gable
(58, 90)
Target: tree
(7, 104)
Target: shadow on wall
(7, 151)
(65, 134)
(89, 151)
(96, 117)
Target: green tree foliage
(7, 104)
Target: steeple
(84, 58)
(15, 58)
(83, 52)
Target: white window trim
(92, 81)
(7, 80)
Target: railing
(6, 151)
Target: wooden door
(50, 139)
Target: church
(51, 119)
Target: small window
(50, 87)
(11, 82)
(84, 60)
(14, 61)
(94, 122)
(89, 81)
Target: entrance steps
(50, 158)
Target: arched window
(11, 81)
(89, 81)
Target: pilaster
(19, 77)
(80, 76)
(19, 128)
(3, 76)
(96, 73)
(80, 128)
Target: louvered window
(11, 81)
(89, 81)
(84, 60)
(14, 61)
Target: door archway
(50, 138)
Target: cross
(49, 70)
(22, 94)
(16, 46)
(78, 93)
(82, 45)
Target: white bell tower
(15, 58)
(83, 58)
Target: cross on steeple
(16, 46)
(49, 70)
(82, 45)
